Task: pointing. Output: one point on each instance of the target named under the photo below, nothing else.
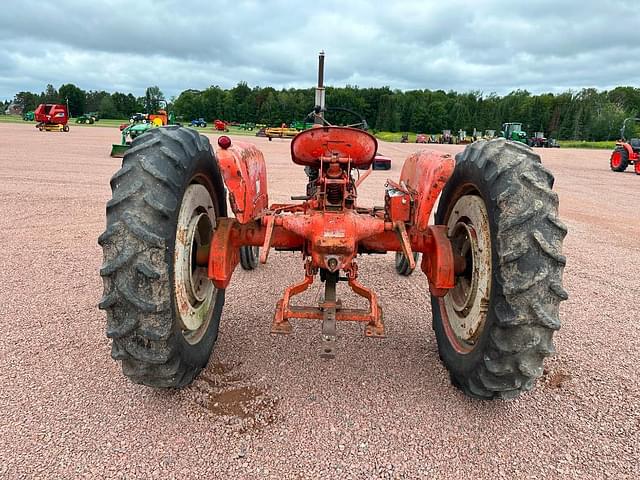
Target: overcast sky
(490, 46)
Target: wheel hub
(193, 289)
(465, 244)
(616, 159)
(467, 303)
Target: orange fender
(245, 175)
(425, 173)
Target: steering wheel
(362, 124)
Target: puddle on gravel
(228, 396)
(234, 402)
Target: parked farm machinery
(540, 141)
(140, 123)
(626, 152)
(86, 118)
(463, 139)
(301, 125)
(52, 117)
(280, 132)
(492, 259)
(513, 131)
(161, 118)
(138, 118)
(198, 122)
(446, 137)
(489, 135)
(128, 134)
(220, 126)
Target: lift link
(329, 307)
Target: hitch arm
(405, 243)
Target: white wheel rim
(194, 291)
(466, 305)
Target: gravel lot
(269, 407)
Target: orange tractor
(492, 259)
(627, 152)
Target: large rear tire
(495, 327)
(162, 310)
(619, 159)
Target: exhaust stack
(320, 91)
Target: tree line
(587, 114)
(110, 105)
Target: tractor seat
(309, 146)
(635, 144)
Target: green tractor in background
(129, 132)
(301, 125)
(29, 116)
(138, 124)
(85, 118)
(513, 131)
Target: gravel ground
(269, 407)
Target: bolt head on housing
(332, 263)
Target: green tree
(75, 97)
(29, 101)
(94, 100)
(125, 104)
(153, 96)
(108, 108)
(50, 95)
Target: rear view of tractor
(492, 259)
(52, 117)
(627, 152)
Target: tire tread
(530, 266)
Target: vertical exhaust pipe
(320, 91)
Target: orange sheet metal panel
(425, 173)
(245, 176)
(359, 146)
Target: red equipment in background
(52, 116)
(626, 152)
(220, 126)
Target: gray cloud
(491, 45)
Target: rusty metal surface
(405, 243)
(332, 234)
(245, 175)
(329, 228)
(439, 265)
(350, 143)
(372, 315)
(425, 173)
(281, 318)
(223, 257)
(193, 292)
(465, 307)
(329, 307)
